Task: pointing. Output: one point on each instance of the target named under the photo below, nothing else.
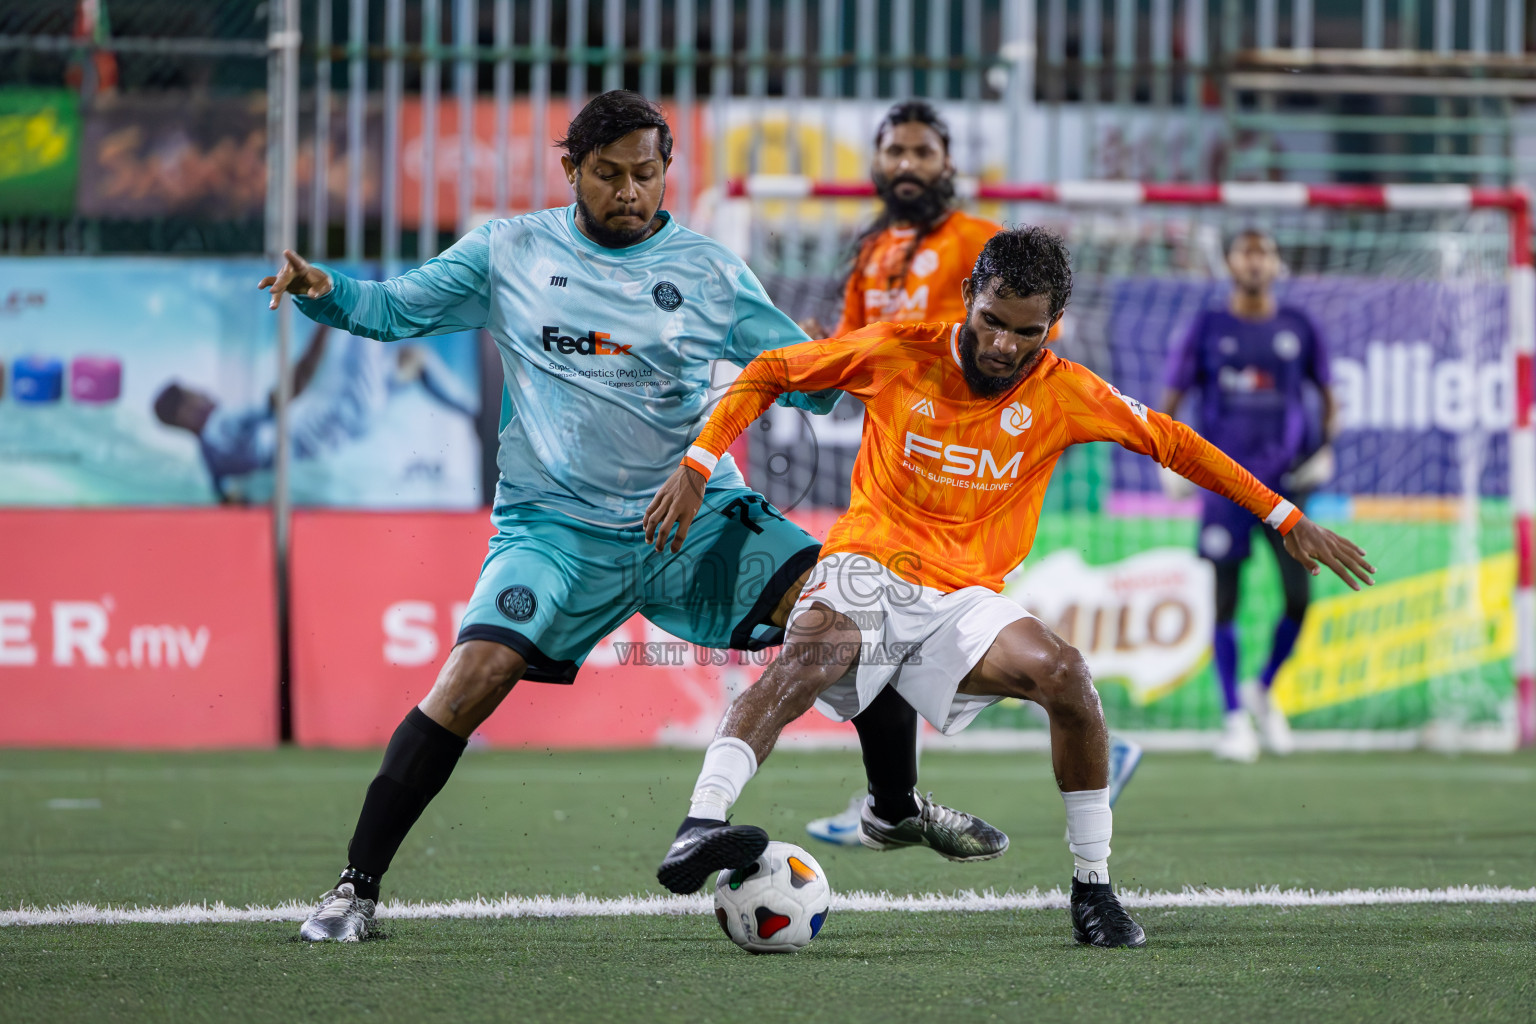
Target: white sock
(728, 764)
(1089, 825)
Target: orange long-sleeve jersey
(947, 486)
(878, 291)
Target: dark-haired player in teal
(608, 315)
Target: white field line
(673, 906)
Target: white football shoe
(840, 829)
(1273, 727)
(340, 916)
(1239, 741)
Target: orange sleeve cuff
(700, 460)
(1283, 516)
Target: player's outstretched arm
(1095, 411)
(448, 293)
(1310, 544)
(675, 505)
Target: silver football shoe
(340, 916)
(953, 835)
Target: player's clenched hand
(1310, 544)
(812, 326)
(298, 277)
(675, 504)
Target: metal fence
(411, 118)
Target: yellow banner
(1397, 634)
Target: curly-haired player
(908, 267)
(964, 424)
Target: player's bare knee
(1063, 683)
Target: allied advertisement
(137, 629)
(1424, 387)
(150, 382)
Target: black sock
(420, 757)
(888, 738)
(366, 886)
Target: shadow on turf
(373, 937)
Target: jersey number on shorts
(742, 508)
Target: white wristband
(704, 457)
(1279, 514)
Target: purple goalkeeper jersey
(1250, 376)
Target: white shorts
(920, 640)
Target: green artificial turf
(270, 827)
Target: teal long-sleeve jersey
(606, 352)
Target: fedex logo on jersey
(962, 460)
(1245, 381)
(594, 343)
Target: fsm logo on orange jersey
(594, 343)
(895, 302)
(963, 460)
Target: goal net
(1424, 298)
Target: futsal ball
(776, 904)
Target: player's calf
(420, 757)
(821, 648)
(1028, 660)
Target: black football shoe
(703, 847)
(1098, 919)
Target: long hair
(905, 112)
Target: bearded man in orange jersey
(964, 423)
(908, 267)
(909, 262)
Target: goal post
(1426, 295)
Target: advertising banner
(832, 140)
(1431, 640)
(1424, 389)
(147, 155)
(39, 151)
(523, 149)
(137, 629)
(376, 603)
(150, 382)
(174, 155)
